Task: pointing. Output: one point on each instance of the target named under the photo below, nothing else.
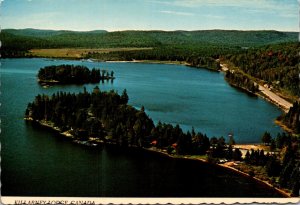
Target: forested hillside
(276, 64)
(24, 39)
(44, 33)
(100, 38)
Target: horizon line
(177, 30)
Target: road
(285, 105)
(275, 98)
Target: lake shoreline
(263, 93)
(278, 102)
(227, 167)
(67, 135)
(151, 62)
(267, 94)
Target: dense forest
(14, 41)
(277, 67)
(70, 74)
(292, 118)
(276, 64)
(106, 116)
(239, 80)
(270, 56)
(256, 52)
(100, 38)
(196, 57)
(284, 166)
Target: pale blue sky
(115, 15)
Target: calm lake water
(36, 162)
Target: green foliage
(189, 54)
(283, 140)
(273, 167)
(292, 118)
(124, 97)
(106, 115)
(18, 46)
(70, 74)
(237, 155)
(266, 138)
(97, 39)
(247, 157)
(276, 64)
(45, 33)
(195, 43)
(97, 114)
(272, 145)
(259, 158)
(242, 81)
(218, 147)
(290, 173)
(200, 143)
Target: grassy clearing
(76, 52)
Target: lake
(36, 162)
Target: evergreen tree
(124, 97)
(237, 155)
(266, 138)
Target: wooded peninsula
(105, 117)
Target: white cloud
(177, 13)
(260, 4)
(286, 9)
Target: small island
(70, 74)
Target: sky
(117, 15)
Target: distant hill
(102, 39)
(44, 33)
(223, 37)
